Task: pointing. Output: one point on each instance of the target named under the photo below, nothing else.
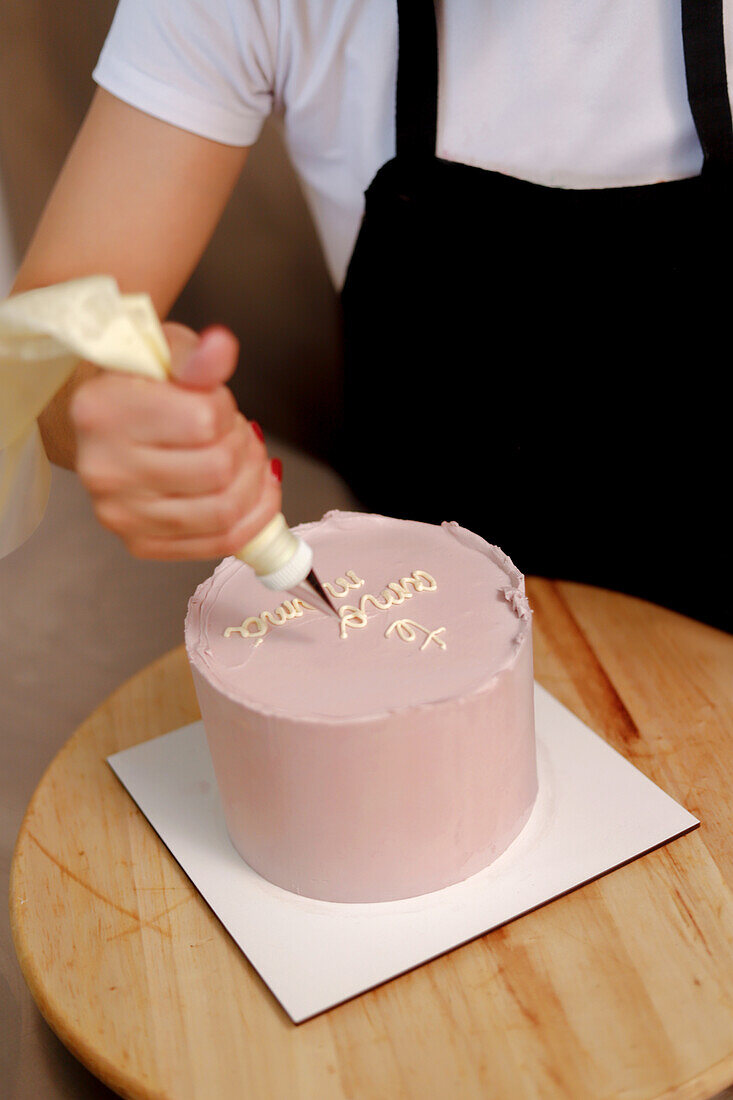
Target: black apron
(544, 365)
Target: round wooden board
(623, 988)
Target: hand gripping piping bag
(44, 333)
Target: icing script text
(352, 616)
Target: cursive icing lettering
(395, 593)
(354, 616)
(350, 581)
(406, 629)
(256, 626)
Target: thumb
(201, 362)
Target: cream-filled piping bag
(283, 562)
(43, 335)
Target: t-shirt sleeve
(204, 65)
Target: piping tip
(312, 591)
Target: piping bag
(43, 335)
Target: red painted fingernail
(277, 468)
(257, 430)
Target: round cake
(389, 752)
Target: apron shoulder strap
(705, 70)
(417, 80)
(707, 84)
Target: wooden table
(621, 989)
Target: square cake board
(594, 812)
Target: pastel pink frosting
(371, 767)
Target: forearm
(137, 199)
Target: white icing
(396, 592)
(407, 630)
(350, 581)
(283, 613)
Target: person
(522, 207)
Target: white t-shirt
(568, 93)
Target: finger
(204, 548)
(187, 516)
(116, 469)
(149, 412)
(195, 472)
(182, 341)
(204, 362)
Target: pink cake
(387, 754)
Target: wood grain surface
(621, 989)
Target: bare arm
(137, 199)
(173, 468)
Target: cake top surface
(427, 613)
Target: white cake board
(594, 812)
